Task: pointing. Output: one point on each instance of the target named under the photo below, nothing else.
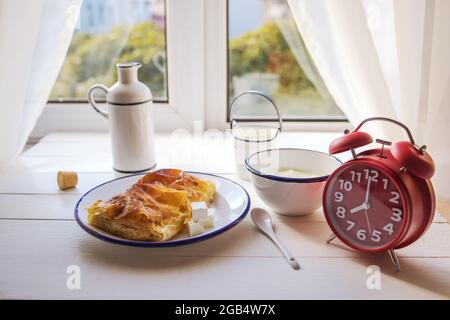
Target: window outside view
(112, 31)
(267, 53)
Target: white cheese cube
(194, 228)
(208, 222)
(199, 211)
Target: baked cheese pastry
(197, 189)
(155, 208)
(147, 213)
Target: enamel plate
(231, 204)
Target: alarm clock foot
(331, 238)
(394, 260)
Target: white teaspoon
(261, 218)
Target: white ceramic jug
(129, 111)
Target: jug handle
(92, 101)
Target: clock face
(365, 206)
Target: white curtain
(386, 58)
(34, 38)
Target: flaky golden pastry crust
(197, 189)
(155, 208)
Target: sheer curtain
(387, 58)
(34, 38)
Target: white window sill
(80, 117)
(90, 151)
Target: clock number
(389, 228)
(396, 215)
(351, 224)
(373, 174)
(385, 183)
(340, 212)
(395, 196)
(361, 234)
(376, 236)
(338, 196)
(346, 185)
(356, 175)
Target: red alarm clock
(382, 199)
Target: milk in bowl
(291, 181)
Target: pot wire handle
(259, 93)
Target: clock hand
(366, 204)
(359, 208)
(368, 223)
(366, 199)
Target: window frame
(197, 79)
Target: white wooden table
(39, 239)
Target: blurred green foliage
(91, 59)
(265, 50)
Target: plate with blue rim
(231, 203)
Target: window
(196, 56)
(267, 53)
(112, 31)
